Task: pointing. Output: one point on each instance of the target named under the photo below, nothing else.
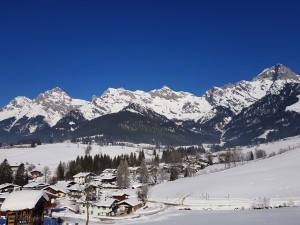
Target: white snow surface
(275, 178)
(51, 154)
(295, 107)
(29, 200)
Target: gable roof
(21, 200)
(106, 202)
(130, 201)
(34, 184)
(6, 185)
(57, 188)
(84, 174)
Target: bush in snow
(260, 153)
(272, 154)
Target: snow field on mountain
(276, 179)
(276, 146)
(51, 154)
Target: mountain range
(220, 114)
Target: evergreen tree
(6, 174)
(20, 177)
(38, 142)
(32, 144)
(60, 171)
(251, 155)
(173, 173)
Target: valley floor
(173, 216)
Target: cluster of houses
(29, 204)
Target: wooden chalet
(8, 187)
(25, 207)
(51, 204)
(57, 190)
(108, 179)
(129, 205)
(120, 196)
(35, 173)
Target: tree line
(95, 164)
(7, 176)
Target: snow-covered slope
(274, 178)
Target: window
(104, 207)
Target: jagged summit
(277, 72)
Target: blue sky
(85, 47)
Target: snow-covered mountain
(23, 115)
(52, 106)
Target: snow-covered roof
(133, 168)
(83, 174)
(108, 177)
(76, 187)
(4, 195)
(3, 186)
(21, 200)
(119, 194)
(34, 184)
(130, 201)
(58, 187)
(109, 170)
(105, 202)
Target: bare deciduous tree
(123, 179)
(47, 174)
(88, 149)
(144, 175)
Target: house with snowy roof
(103, 207)
(119, 196)
(76, 190)
(34, 185)
(35, 173)
(83, 177)
(129, 205)
(58, 190)
(109, 172)
(9, 187)
(25, 207)
(134, 170)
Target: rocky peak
(164, 93)
(277, 72)
(53, 95)
(20, 101)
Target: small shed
(25, 207)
